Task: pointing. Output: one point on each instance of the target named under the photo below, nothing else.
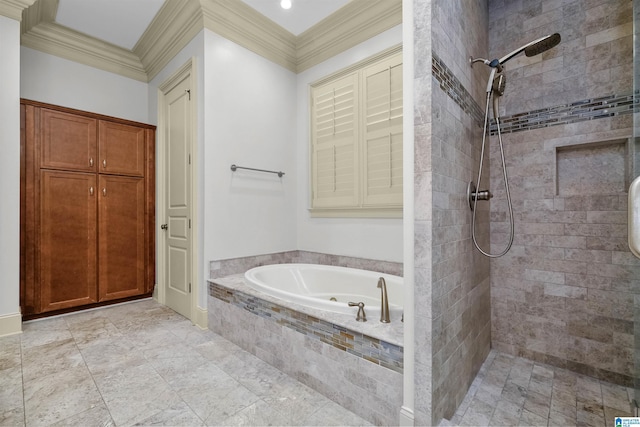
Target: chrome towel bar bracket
(234, 168)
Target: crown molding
(13, 8)
(179, 21)
(40, 11)
(64, 42)
(174, 26)
(240, 23)
(357, 21)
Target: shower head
(543, 45)
(530, 49)
(534, 48)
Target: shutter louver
(383, 133)
(335, 137)
(356, 140)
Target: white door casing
(177, 266)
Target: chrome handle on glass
(91, 191)
(104, 163)
(104, 192)
(91, 162)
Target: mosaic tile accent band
(578, 111)
(450, 84)
(371, 349)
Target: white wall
(54, 80)
(250, 120)
(359, 237)
(9, 168)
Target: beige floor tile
(60, 395)
(56, 356)
(135, 393)
(177, 415)
(96, 416)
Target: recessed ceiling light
(285, 4)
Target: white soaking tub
(315, 286)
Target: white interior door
(177, 227)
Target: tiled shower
(564, 293)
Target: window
(356, 140)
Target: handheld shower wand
(495, 89)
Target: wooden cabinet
(121, 242)
(69, 141)
(67, 239)
(87, 209)
(122, 149)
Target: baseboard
(10, 324)
(201, 319)
(406, 417)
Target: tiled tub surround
(227, 267)
(356, 364)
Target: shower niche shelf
(592, 168)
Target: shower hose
(504, 174)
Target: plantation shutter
(382, 151)
(334, 117)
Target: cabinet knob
(91, 191)
(104, 191)
(104, 163)
(91, 162)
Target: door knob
(164, 226)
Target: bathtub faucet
(384, 301)
(361, 316)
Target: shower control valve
(473, 195)
(482, 195)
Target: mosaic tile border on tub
(374, 350)
(574, 112)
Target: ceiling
(122, 22)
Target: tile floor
(512, 391)
(143, 364)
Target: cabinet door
(121, 237)
(69, 141)
(122, 149)
(67, 240)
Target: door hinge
(188, 93)
(189, 158)
(189, 287)
(189, 223)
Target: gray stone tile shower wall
(452, 280)
(564, 294)
(577, 111)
